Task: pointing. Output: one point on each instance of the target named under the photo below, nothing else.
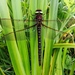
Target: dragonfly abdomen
(39, 43)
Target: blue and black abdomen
(39, 43)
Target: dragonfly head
(38, 17)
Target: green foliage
(68, 62)
(62, 11)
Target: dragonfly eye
(38, 12)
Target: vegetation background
(19, 56)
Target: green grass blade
(22, 44)
(64, 45)
(33, 39)
(53, 62)
(49, 42)
(12, 46)
(58, 63)
(72, 69)
(1, 72)
(40, 4)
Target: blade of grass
(59, 63)
(73, 68)
(49, 42)
(67, 45)
(1, 72)
(33, 41)
(40, 4)
(53, 62)
(12, 46)
(22, 44)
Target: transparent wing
(23, 34)
(21, 29)
(29, 28)
(53, 32)
(5, 22)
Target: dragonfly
(38, 26)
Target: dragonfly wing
(14, 22)
(23, 34)
(56, 35)
(50, 32)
